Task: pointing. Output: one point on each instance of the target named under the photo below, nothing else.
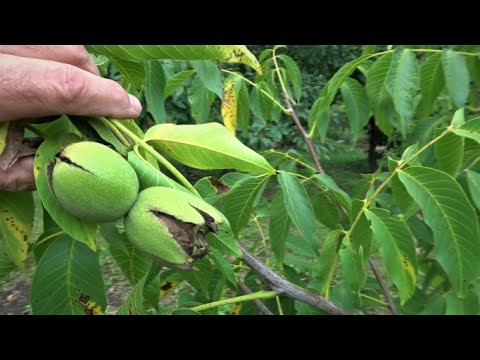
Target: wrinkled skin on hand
(37, 81)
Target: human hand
(43, 80)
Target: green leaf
(380, 100)
(139, 53)
(132, 72)
(210, 75)
(361, 235)
(473, 63)
(458, 118)
(278, 227)
(68, 281)
(448, 212)
(6, 265)
(261, 104)
(294, 75)
(106, 134)
(330, 184)
(358, 109)
(131, 261)
(402, 198)
(449, 153)
(298, 205)
(352, 265)
(16, 220)
(224, 267)
(458, 306)
(207, 146)
(133, 305)
(149, 176)
(155, 90)
(369, 49)
(456, 76)
(473, 180)
(402, 83)
(432, 83)
(237, 203)
(177, 80)
(319, 113)
(235, 107)
(327, 262)
(420, 230)
(325, 210)
(422, 133)
(224, 240)
(274, 86)
(200, 278)
(395, 242)
(77, 229)
(201, 100)
(471, 129)
(243, 106)
(45, 240)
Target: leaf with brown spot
(16, 220)
(68, 280)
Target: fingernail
(135, 105)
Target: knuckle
(69, 84)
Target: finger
(75, 55)
(31, 88)
(19, 177)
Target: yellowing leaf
(3, 136)
(16, 220)
(229, 105)
(206, 146)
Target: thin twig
(386, 292)
(260, 306)
(250, 297)
(305, 136)
(278, 283)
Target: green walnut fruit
(171, 225)
(93, 182)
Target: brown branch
(383, 286)
(261, 306)
(313, 154)
(280, 284)
(305, 136)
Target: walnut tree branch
(280, 284)
(383, 286)
(305, 136)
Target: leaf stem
(249, 297)
(279, 74)
(374, 299)
(285, 110)
(45, 239)
(36, 131)
(305, 165)
(279, 305)
(115, 131)
(367, 202)
(157, 156)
